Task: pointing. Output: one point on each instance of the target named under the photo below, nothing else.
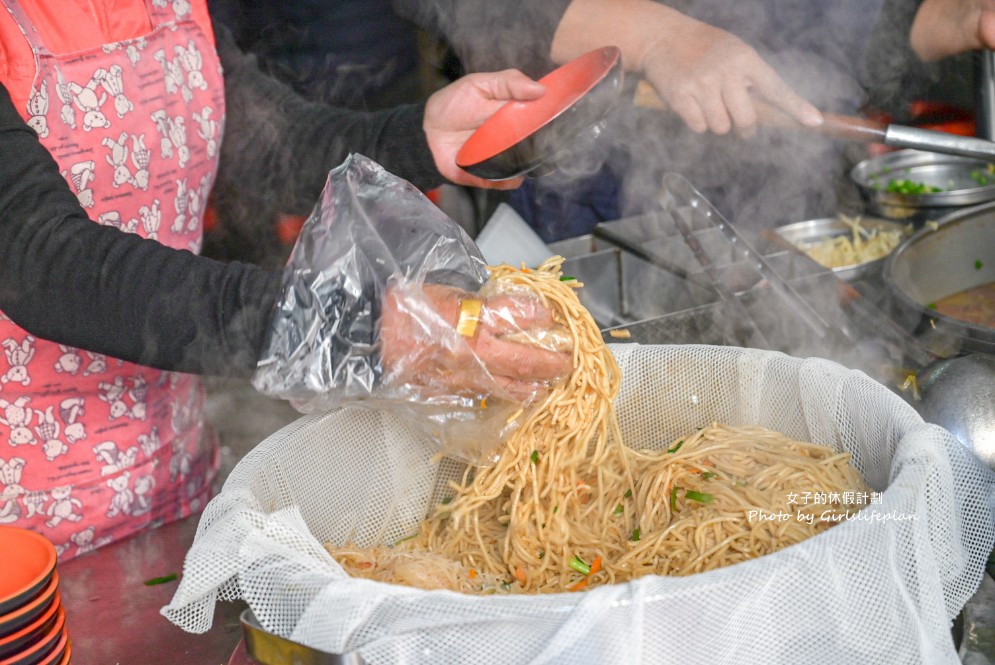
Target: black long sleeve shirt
(69, 280)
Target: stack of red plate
(32, 621)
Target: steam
(831, 55)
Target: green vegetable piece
(978, 264)
(635, 534)
(567, 278)
(628, 494)
(618, 509)
(555, 508)
(534, 457)
(700, 497)
(160, 580)
(447, 501)
(673, 498)
(676, 447)
(708, 475)
(579, 565)
(931, 305)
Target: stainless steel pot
(958, 254)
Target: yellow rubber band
(469, 316)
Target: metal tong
(851, 128)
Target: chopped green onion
(567, 278)
(628, 494)
(542, 554)
(635, 533)
(700, 497)
(676, 447)
(906, 186)
(580, 566)
(534, 457)
(618, 509)
(506, 586)
(555, 508)
(708, 475)
(161, 580)
(931, 305)
(447, 501)
(673, 498)
(406, 538)
(978, 264)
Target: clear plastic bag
(376, 256)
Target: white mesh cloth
(876, 590)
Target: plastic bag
(375, 246)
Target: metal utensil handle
(900, 136)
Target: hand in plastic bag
(382, 307)
(496, 350)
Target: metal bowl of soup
(942, 282)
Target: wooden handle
(835, 126)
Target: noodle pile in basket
(568, 506)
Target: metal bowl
(802, 233)
(964, 181)
(958, 254)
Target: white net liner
(867, 591)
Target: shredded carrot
(579, 585)
(473, 574)
(483, 403)
(595, 566)
(520, 575)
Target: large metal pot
(958, 254)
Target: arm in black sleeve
(69, 280)
(489, 35)
(278, 147)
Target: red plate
(59, 655)
(27, 559)
(66, 654)
(19, 640)
(41, 651)
(14, 621)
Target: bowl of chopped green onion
(917, 186)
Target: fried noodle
(568, 506)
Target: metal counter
(113, 618)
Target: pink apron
(93, 449)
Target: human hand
(716, 82)
(454, 112)
(943, 28)
(422, 346)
